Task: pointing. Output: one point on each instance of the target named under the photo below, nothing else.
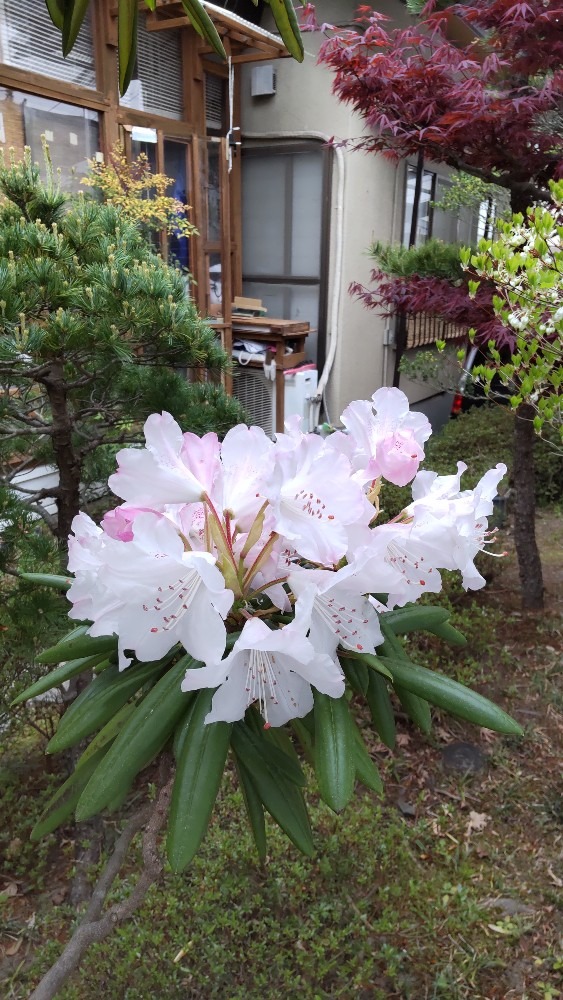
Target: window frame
(292, 148)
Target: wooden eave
(246, 42)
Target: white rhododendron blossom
(261, 559)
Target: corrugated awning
(247, 42)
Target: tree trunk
(88, 840)
(68, 465)
(529, 562)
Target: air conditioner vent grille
(257, 394)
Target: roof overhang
(247, 42)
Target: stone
(463, 758)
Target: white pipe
(386, 344)
(334, 323)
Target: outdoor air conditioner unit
(256, 391)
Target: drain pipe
(336, 298)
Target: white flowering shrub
(239, 595)
(525, 264)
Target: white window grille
(30, 41)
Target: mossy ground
(450, 887)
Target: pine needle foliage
(432, 259)
(96, 333)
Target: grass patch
(458, 898)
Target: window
(215, 104)
(463, 226)
(424, 218)
(284, 232)
(30, 41)
(157, 82)
(71, 133)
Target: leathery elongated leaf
(288, 27)
(108, 733)
(56, 9)
(204, 26)
(451, 696)
(413, 617)
(366, 771)
(103, 697)
(63, 802)
(74, 14)
(254, 809)
(127, 20)
(305, 738)
(281, 797)
(143, 736)
(76, 645)
(334, 750)
(199, 770)
(449, 634)
(57, 677)
(275, 746)
(429, 619)
(417, 709)
(357, 674)
(47, 579)
(381, 708)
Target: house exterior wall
(371, 207)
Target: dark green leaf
(56, 10)
(417, 709)
(366, 771)
(74, 14)
(381, 708)
(449, 634)
(288, 27)
(451, 696)
(281, 797)
(429, 619)
(254, 809)
(357, 674)
(275, 746)
(204, 26)
(140, 740)
(198, 776)
(47, 580)
(334, 750)
(57, 677)
(127, 20)
(103, 697)
(305, 737)
(108, 733)
(77, 645)
(63, 802)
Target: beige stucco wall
(372, 203)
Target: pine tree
(96, 333)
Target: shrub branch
(97, 925)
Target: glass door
(176, 165)
(211, 203)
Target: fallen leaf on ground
(12, 949)
(476, 823)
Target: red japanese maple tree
(467, 86)
(472, 105)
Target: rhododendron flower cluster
(261, 558)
